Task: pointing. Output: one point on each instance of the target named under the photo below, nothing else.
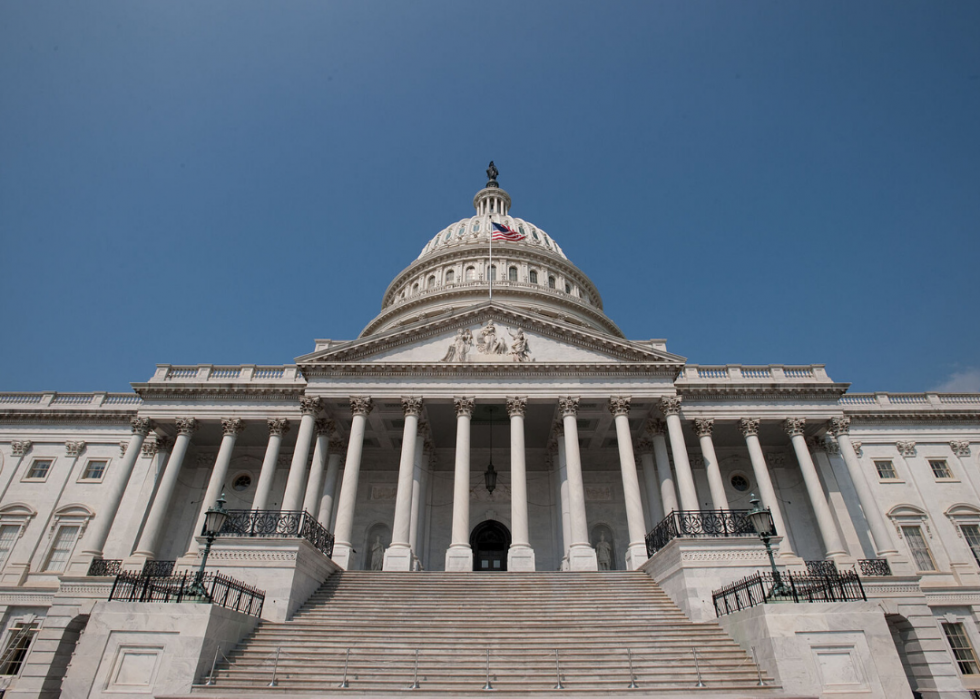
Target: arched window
(568, 288)
(533, 276)
(415, 288)
(492, 273)
(551, 282)
(470, 274)
(431, 282)
(450, 276)
(512, 274)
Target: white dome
(476, 229)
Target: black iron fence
(105, 567)
(874, 567)
(221, 590)
(696, 523)
(278, 523)
(762, 588)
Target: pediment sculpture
(488, 346)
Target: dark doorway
(490, 540)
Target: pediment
(491, 333)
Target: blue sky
(223, 182)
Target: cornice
(100, 417)
(926, 415)
(419, 369)
(202, 391)
(730, 393)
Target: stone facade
(386, 440)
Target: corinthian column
(636, 552)
(321, 451)
(293, 497)
(186, 426)
(716, 485)
(520, 556)
(459, 556)
(668, 493)
(750, 430)
(581, 555)
(230, 428)
(360, 408)
(566, 508)
(655, 505)
(671, 407)
(278, 426)
(794, 427)
(98, 531)
(399, 553)
(337, 450)
(884, 544)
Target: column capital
(337, 445)
(619, 405)
(749, 426)
(278, 426)
(310, 405)
(840, 425)
(412, 406)
(361, 405)
(644, 445)
(832, 446)
(856, 446)
(186, 425)
(568, 405)
(559, 430)
(905, 448)
(74, 448)
(516, 406)
(815, 444)
(794, 426)
(670, 405)
(464, 406)
(704, 425)
(232, 426)
(324, 425)
(960, 447)
(152, 447)
(141, 425)
(656, 426)
(20, 446)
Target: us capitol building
(491, 447)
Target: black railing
(821, 567)
(874, 567)
(104, 567)
(698, 523)
(158, 569)
(796, 587)
(278, 523)
(221, 590)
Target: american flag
(502, 232)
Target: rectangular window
(39, 469)
(512, 274)
(8, 537)
(94, 470)
(64, 542)
(940, 469)
(971, 532)
(533, 277)
(917, 546)
(886, 470)
(962, 650)
(18, 643)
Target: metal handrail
(701, 523)
(761, 588)
(278, 523)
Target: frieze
(74, 416)
(384, 493)
(250, 555)
(484, 370)
(598, 493)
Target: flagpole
(490, 268)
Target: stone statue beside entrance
(603, 552)
(377, 554)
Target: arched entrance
(490, 540)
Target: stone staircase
(453, 619)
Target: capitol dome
(459, 267)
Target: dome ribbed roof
(476, 229)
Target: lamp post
(761, 520)
(214, 520)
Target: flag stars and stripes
(503, 232)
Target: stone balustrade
(211, 373)
(59, 401)
(742, 374)
(902, 401)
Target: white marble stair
(453, 619)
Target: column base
(899, 564)
(79, 565)
(135, 563)
(398, 558)
(342, 555)
(520, 558)
(459, 559)
(582, 557)
(636, 555)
